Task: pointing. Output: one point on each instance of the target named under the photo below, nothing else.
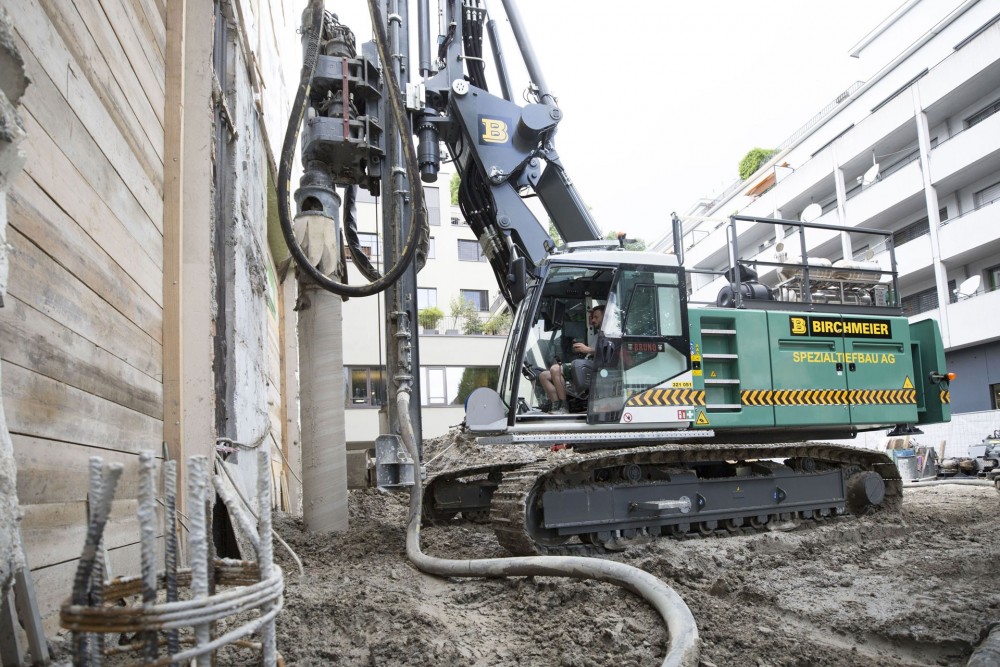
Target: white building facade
(453, 359)
(914, 150)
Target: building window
(982, 114)
(995, 396)
(370, 245)
(915, 230)
(479, 298)
(469, 251)
(365, 386)
(456, 220)
(431, 251)
(433, 198)
(921, 302)
(451, 385)
(986, 196)
(993, 278)
(427, 297)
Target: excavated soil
(911, 589)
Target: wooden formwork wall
(83, 346)
(81, 330)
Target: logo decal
(494, 130)
(839, 327)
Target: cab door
(646, 331)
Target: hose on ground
(683, 649)
(418, 220)
(938, 482)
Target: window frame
(484, 298)
(480, 257)
(352, 402)
(428, 290)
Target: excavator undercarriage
(595, 502)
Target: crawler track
(516, 513)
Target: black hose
(350, 226)
(418, 219)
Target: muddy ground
(917, 588)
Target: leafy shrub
(753, 160)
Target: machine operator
(553, 380)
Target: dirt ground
(916, 588)
(911, 589)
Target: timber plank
(41, 38)
(56, 176)
(54, 584)
(36, 341)
(52, 530)
(150, 29)
(122, 96)
(49, 471)
(37, 217)
(41, 407)
(41, 283)
(128, 52)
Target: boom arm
(504, 152)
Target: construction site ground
(918, 588)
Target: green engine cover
(770, 368)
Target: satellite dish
(869, 255)
(968, 287)
(871, 175)
(779, 246)
(811, 212)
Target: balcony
(900, 192)
(971, 236)
(965, 320)
(958, 79)
(967, 156)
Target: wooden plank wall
(82, 329)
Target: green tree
(499, 324)
(473, 378)
(455, 182)
(466, 316)
(430, 317)
(753, 160)
(554, 233)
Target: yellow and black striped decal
(661, 397)
(945, 397)
(784, 397)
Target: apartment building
(456, 355)
(915, 151)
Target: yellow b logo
(494, 131)
(798, 325)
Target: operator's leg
(545, 379)
(559, 384)
(559, 380)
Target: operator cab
(642, 343)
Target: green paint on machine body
(792, 369)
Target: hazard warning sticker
(702, 420)
(907, 384)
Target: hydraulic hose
(939, 482)
(418, 221)
(683, 650)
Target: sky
(662, 99)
